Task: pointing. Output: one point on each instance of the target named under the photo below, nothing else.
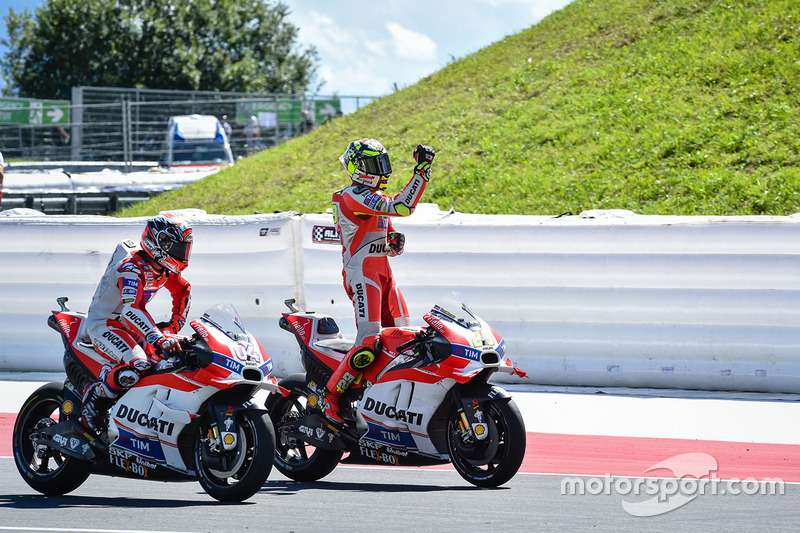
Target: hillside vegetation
(661, 107)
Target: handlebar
(186, 356)
(420, 337)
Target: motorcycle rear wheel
(240, 473)
(294, 458)
(45, 470)
(495, 460)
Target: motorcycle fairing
(318, 335)
(69, 323)
(399, 413)
(475, 344)
(133, 465)
(148, 420)
(226, 355)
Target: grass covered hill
(658, 106)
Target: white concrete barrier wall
(601, 299)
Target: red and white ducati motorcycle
(194, 421)
(425, 400)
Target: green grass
(661, 107)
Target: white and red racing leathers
(362, 217)
(118, 323)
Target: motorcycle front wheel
(235, 475)
(44, 469)
(294, 458)
(496, 459)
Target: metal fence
(130, 125)
(74, 203)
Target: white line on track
(74, 530)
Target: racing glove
(396, 241)
(173, 326)
(424, 155)
(166, 344)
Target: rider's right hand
(168, 345)
(396, 242)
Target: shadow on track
(291, 487)
(39, 501)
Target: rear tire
(495, 460)
(294, 458)
(236, 475)
(45, 470)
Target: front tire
(294, 458)
(45, 470)
(234, 476)
(495, 460)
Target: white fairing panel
(398, 413)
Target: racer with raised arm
(118, 323)
(362, 213)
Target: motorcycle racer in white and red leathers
(362, 213)
(118, 324)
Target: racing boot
(97, 399)
(348, 372)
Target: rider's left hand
(173, 326)
(423, 156)
(396, 241)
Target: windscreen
(453, 308)
(225, 318)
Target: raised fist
(424, 155)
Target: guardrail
(68, 187)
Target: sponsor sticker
(325, 235)
(372, 200)
(269, 232)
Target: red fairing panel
(69, 324)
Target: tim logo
(325, 235)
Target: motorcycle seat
(337, 345)
(84, 347)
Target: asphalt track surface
(600, 460)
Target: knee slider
(362, 358)
(126, 377)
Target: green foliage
(685, 107)
(225, 45)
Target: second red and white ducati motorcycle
(425, 400)
(194, 421)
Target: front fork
(470, 402)
(223, 429)
(223, 432)
(471, 418)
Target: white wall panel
(607, 298)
